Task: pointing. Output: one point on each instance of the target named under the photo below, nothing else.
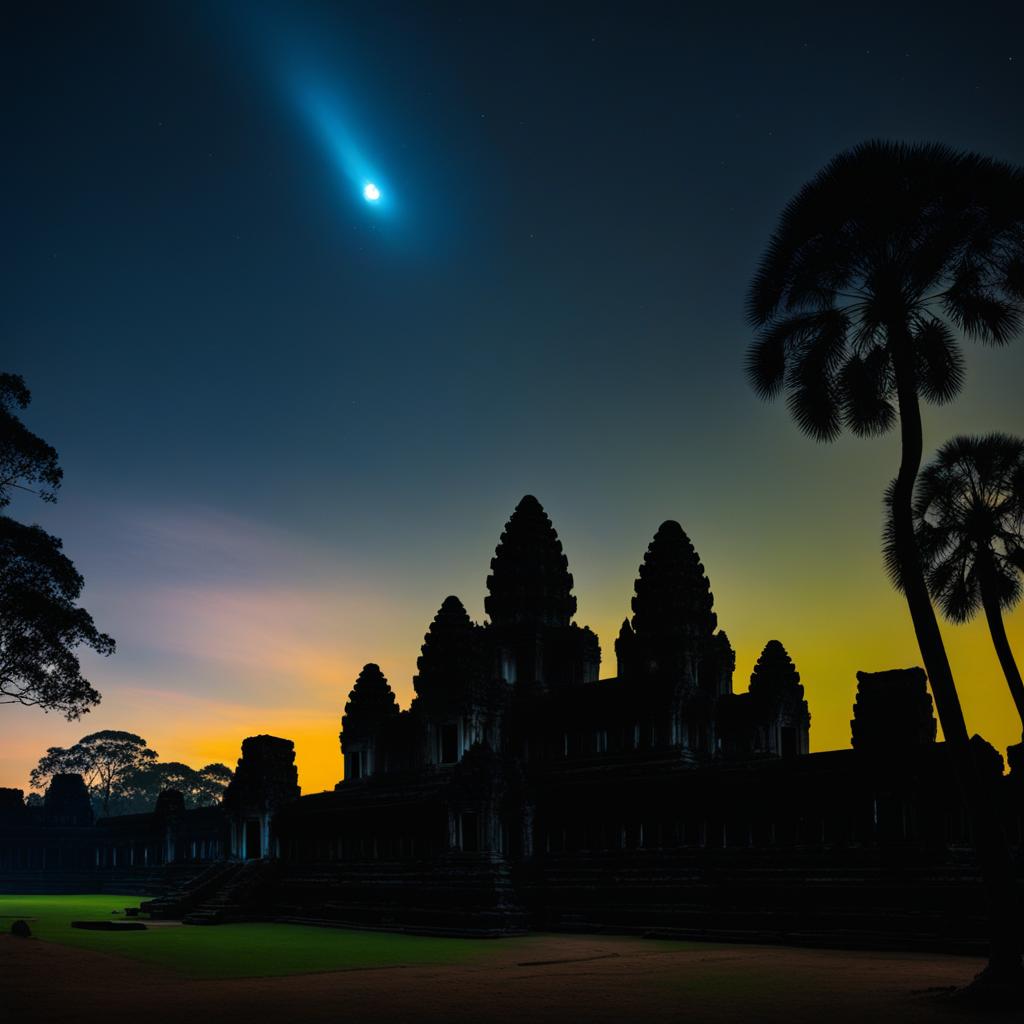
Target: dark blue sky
(217, 328)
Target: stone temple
(522, 789)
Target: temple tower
(371, 708)
(670, 649)
(67, 802)
(893, 712)
(264, 781)
(672, 612)
(531, 605)
(456, 701)
(778, 694)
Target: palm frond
(890, 553)
(955, 589)
(940, 366)
(816, 408)
(979, 312)
(1013, 277)
(866, 386)
(889, 237)
(968, 513)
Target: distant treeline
(124, 776)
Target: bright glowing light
(370, 192)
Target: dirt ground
(592, 978)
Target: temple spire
(673, 595)
(450, 658)
(530, 582)
(371, 702)
(673, 622)
(775, 676)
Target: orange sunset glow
(228, 628)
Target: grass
(231, 950)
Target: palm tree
(875, 266)
(969, 520)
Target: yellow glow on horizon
(827, 656)
(282, 659)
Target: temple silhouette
(520, 789)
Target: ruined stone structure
(60, 848)
(526, 685)
(521, 789)
(264, 781)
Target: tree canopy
(124, 776)
(969, 522)
(104, 759)
(139, 788)
(41, 624)
(876, 264)
(969, 527)
(27, 462)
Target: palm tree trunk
(994, 615)
(978, 792)
(922, 614)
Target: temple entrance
(253, 839)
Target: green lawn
(231, 950)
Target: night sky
(292, 422)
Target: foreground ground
(251, 972)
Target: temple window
(601, 741)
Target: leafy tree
(104, 759)
(138, 790)
(969, 523)
(124, 776)
(27, 462)
(875, 266)
(212, 780)
(41, 625)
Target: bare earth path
(567, 978)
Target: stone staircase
(239, 896)
(191, 891)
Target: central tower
(531, 604)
